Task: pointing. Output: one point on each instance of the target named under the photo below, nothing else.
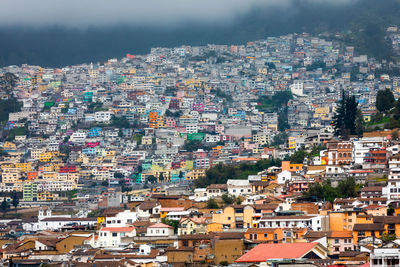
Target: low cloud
(83, 13)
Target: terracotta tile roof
(148, 205)
(172, 209)
(293, 217)
(387, 219)
(160, 225)
(374, 207)
(264, 252)
(369, 227)
(118, 229)
(372, 189)
(217, 186)
(341, 234)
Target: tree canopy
(219, 174)
(347, 115)
(384, 100)
(325, 191)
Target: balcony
(238, 219)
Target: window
(114, 234)
(255, 236)
(265, 235)
(336, 241)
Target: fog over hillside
(88, 30)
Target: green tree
(298, 156)
(192, 145)
(390, 210)
(120, 122)
(151, 179)
(173, 223)
(15, 201)
(118, 175)
(325, 191)
(359, 123)
(270, 65)
(161, 177)
(346, 114)
(8, 81)
(347, 188)
(395, 134)
(4, 206)
(212, 204)
(384, 100)
(227, 199)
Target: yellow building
(45, 156)
(10, 175)
(214, 227)
(195, 174)
(292, 142)
(234, 216)
(147, 140)
(342, 221)
(9, 146)
(322, 113)
(47, 196)
(24, 167)
(190, 226)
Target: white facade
(385, 257)
(112, 236)
(78, 137)
(310, 222)
(102, 116)
(239, 187)
(392, 190)
(297, 88)
(283, 177)
(160, 229)
(363, 145)
(122, 219)
(55, 223)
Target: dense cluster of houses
(104, 155)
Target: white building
(363, 145)
(160, 229)
(297, 88)
(78, 137)
(102, 116)
(55, 223)
(392, 190)
(239, 187)
(122, 219)
(385, 257)
(314, 222)
(284, 177)
(112, 236)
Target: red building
(67, 169)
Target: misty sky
(82, 13)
